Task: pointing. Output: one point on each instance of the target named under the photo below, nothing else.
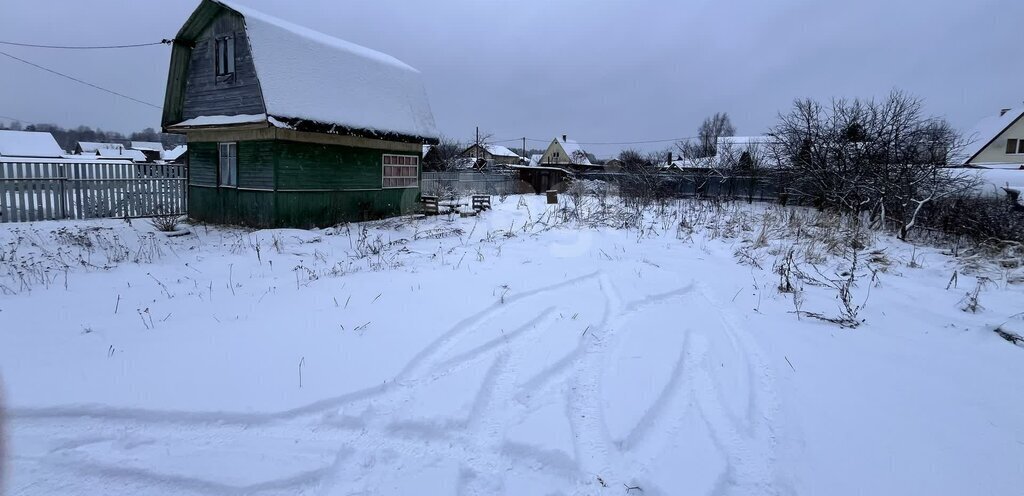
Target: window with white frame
(227, 160)
(1015, 146)
(401, 171)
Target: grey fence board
(48, 190)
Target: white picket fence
(467, 183)
(67, 189)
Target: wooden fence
(467, 183)
(50, 190)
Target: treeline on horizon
(68, 138)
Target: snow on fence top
(29, 144)
(305, 74)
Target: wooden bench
(481, 202)
(430, 206)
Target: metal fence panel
(467, 183)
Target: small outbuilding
(288, 127)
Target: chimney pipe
(1003, 112)
(565, 138)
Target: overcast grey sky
(598, 70)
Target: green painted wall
(314, 185)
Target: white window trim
(220, 179)
(384, 177)
(1020, 146)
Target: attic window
(1014, 146)
(225, 55)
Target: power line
(112, 92)
(96, 47)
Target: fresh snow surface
(221, 120)
(509, 353)
(29, 144)
(305, 74)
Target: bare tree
(884, 157)
(710, 130)
(444, 155)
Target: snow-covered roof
(987, 130)
(29, 144)
(535, 159)
(92, 146)
(174, 153)
(501, 151)
(221, 120)
(574, 151)
(148, 146)
(118, 153)
(995, 181)
(308, 75)
(426, 150)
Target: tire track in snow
(750, 448)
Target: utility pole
(477, 146)
(524, 149)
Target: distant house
(151, 149)
(996, 141)
(92, 147)
(567, 153)
(175, 156)
(28, 144)
(613, 165)
(290, 127)
(121, 154)
(493, 154)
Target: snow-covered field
(512, 353)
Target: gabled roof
(573, 150)
(496, 150)
(147, 146)
(133, 155)
(29, 144)
(501, 151)
(174, 153)
(312, 81)
(92, 146)
(986, 131)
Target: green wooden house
(288, 127)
